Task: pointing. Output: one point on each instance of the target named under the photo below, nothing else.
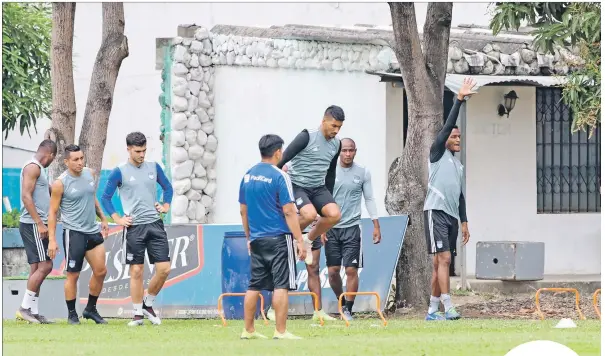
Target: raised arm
(55, 201)
(438, 146)
(298, 144)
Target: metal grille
(569, 165)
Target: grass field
(206, 337)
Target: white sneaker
(308, 246)
(149, 313)
(271, 314)
(136, 322)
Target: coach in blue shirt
(269, 217)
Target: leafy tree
(570, 25)
(26, 93)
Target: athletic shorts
(35, 248)
(441, 231)
(319, 197)
(272, 263)
(344, 247)
(75, 245)
(151, 237)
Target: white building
(279, 80)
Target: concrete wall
(247, 108)
(501, 188)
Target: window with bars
(568, 165)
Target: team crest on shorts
(129, 256)
(72, 263)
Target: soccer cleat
(94, 315)
(452, 314)
(137, 321)
(150, 314)
(26, 315)
(435, 316)
(308, 246)
(347, 315)
(271, 314)
(285, 336)
(249, 336)
(72, 318)
(42, 319)
(324, 315)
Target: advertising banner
(194, 283)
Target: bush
(10, 219)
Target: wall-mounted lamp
(510, 100)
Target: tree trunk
(423, 77)
(114, 48)
(63, 115)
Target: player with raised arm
(342, 243)
(313, 155)
(74, 193)
(444, 205)
(270, 220)
(35, 201)
(143, 228)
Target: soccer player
(35, 198)
(270, 219)
(143, 227)
(313, 155)
(74, 193)
(342, 243)
(443, 206)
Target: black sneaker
(73, 319)
(94, 315)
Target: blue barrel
(235, 267)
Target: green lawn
(207, 337)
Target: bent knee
(331, 212)
(162, 269)
(351, 271)
(308, 214)
(100, 272)
(45, 267)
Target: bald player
(342, 243)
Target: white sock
(148, 300)
(28, 299)
(138, 309)
(447, 301)
(434, 306)
(34, 305)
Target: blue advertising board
(196, 278)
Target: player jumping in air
(74, 193)
(143, 227)
(342, 243)
(443, 206)
(270, 220)
(313, 154)
(35, 198)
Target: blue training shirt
(265, 189)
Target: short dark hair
(268, 144)
(455, 127)
(49, 145)
(136, 139)
(335, 112)
(71, 148)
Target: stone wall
(188, 98)
(14, 262)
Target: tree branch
(407, 41)
(436, 38)
(113, 50)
